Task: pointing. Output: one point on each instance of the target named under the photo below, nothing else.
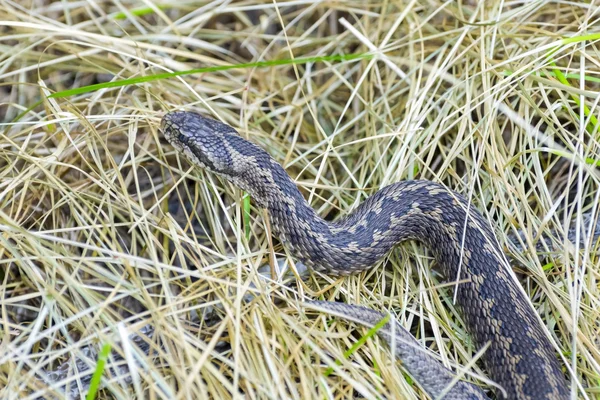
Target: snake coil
(519, 356)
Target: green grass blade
(141, 11)
(581, 38)
(370, 333)
(166, 75)
(551, 74)
(95, 382)
(592, 126)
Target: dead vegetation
(104, 230)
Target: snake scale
(519, 356)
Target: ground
(104, 229)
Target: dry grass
(103, 229)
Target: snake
(518, 354)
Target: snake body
(519, 356)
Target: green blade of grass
(550, 74)
(581, 38)
(166, 75)
(95, 382)
(141, 11)
(592, 126)
(363, 339)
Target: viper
(517, 352)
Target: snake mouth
(170, 132)
(165, 126)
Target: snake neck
(272, 189)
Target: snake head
(206, 142)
